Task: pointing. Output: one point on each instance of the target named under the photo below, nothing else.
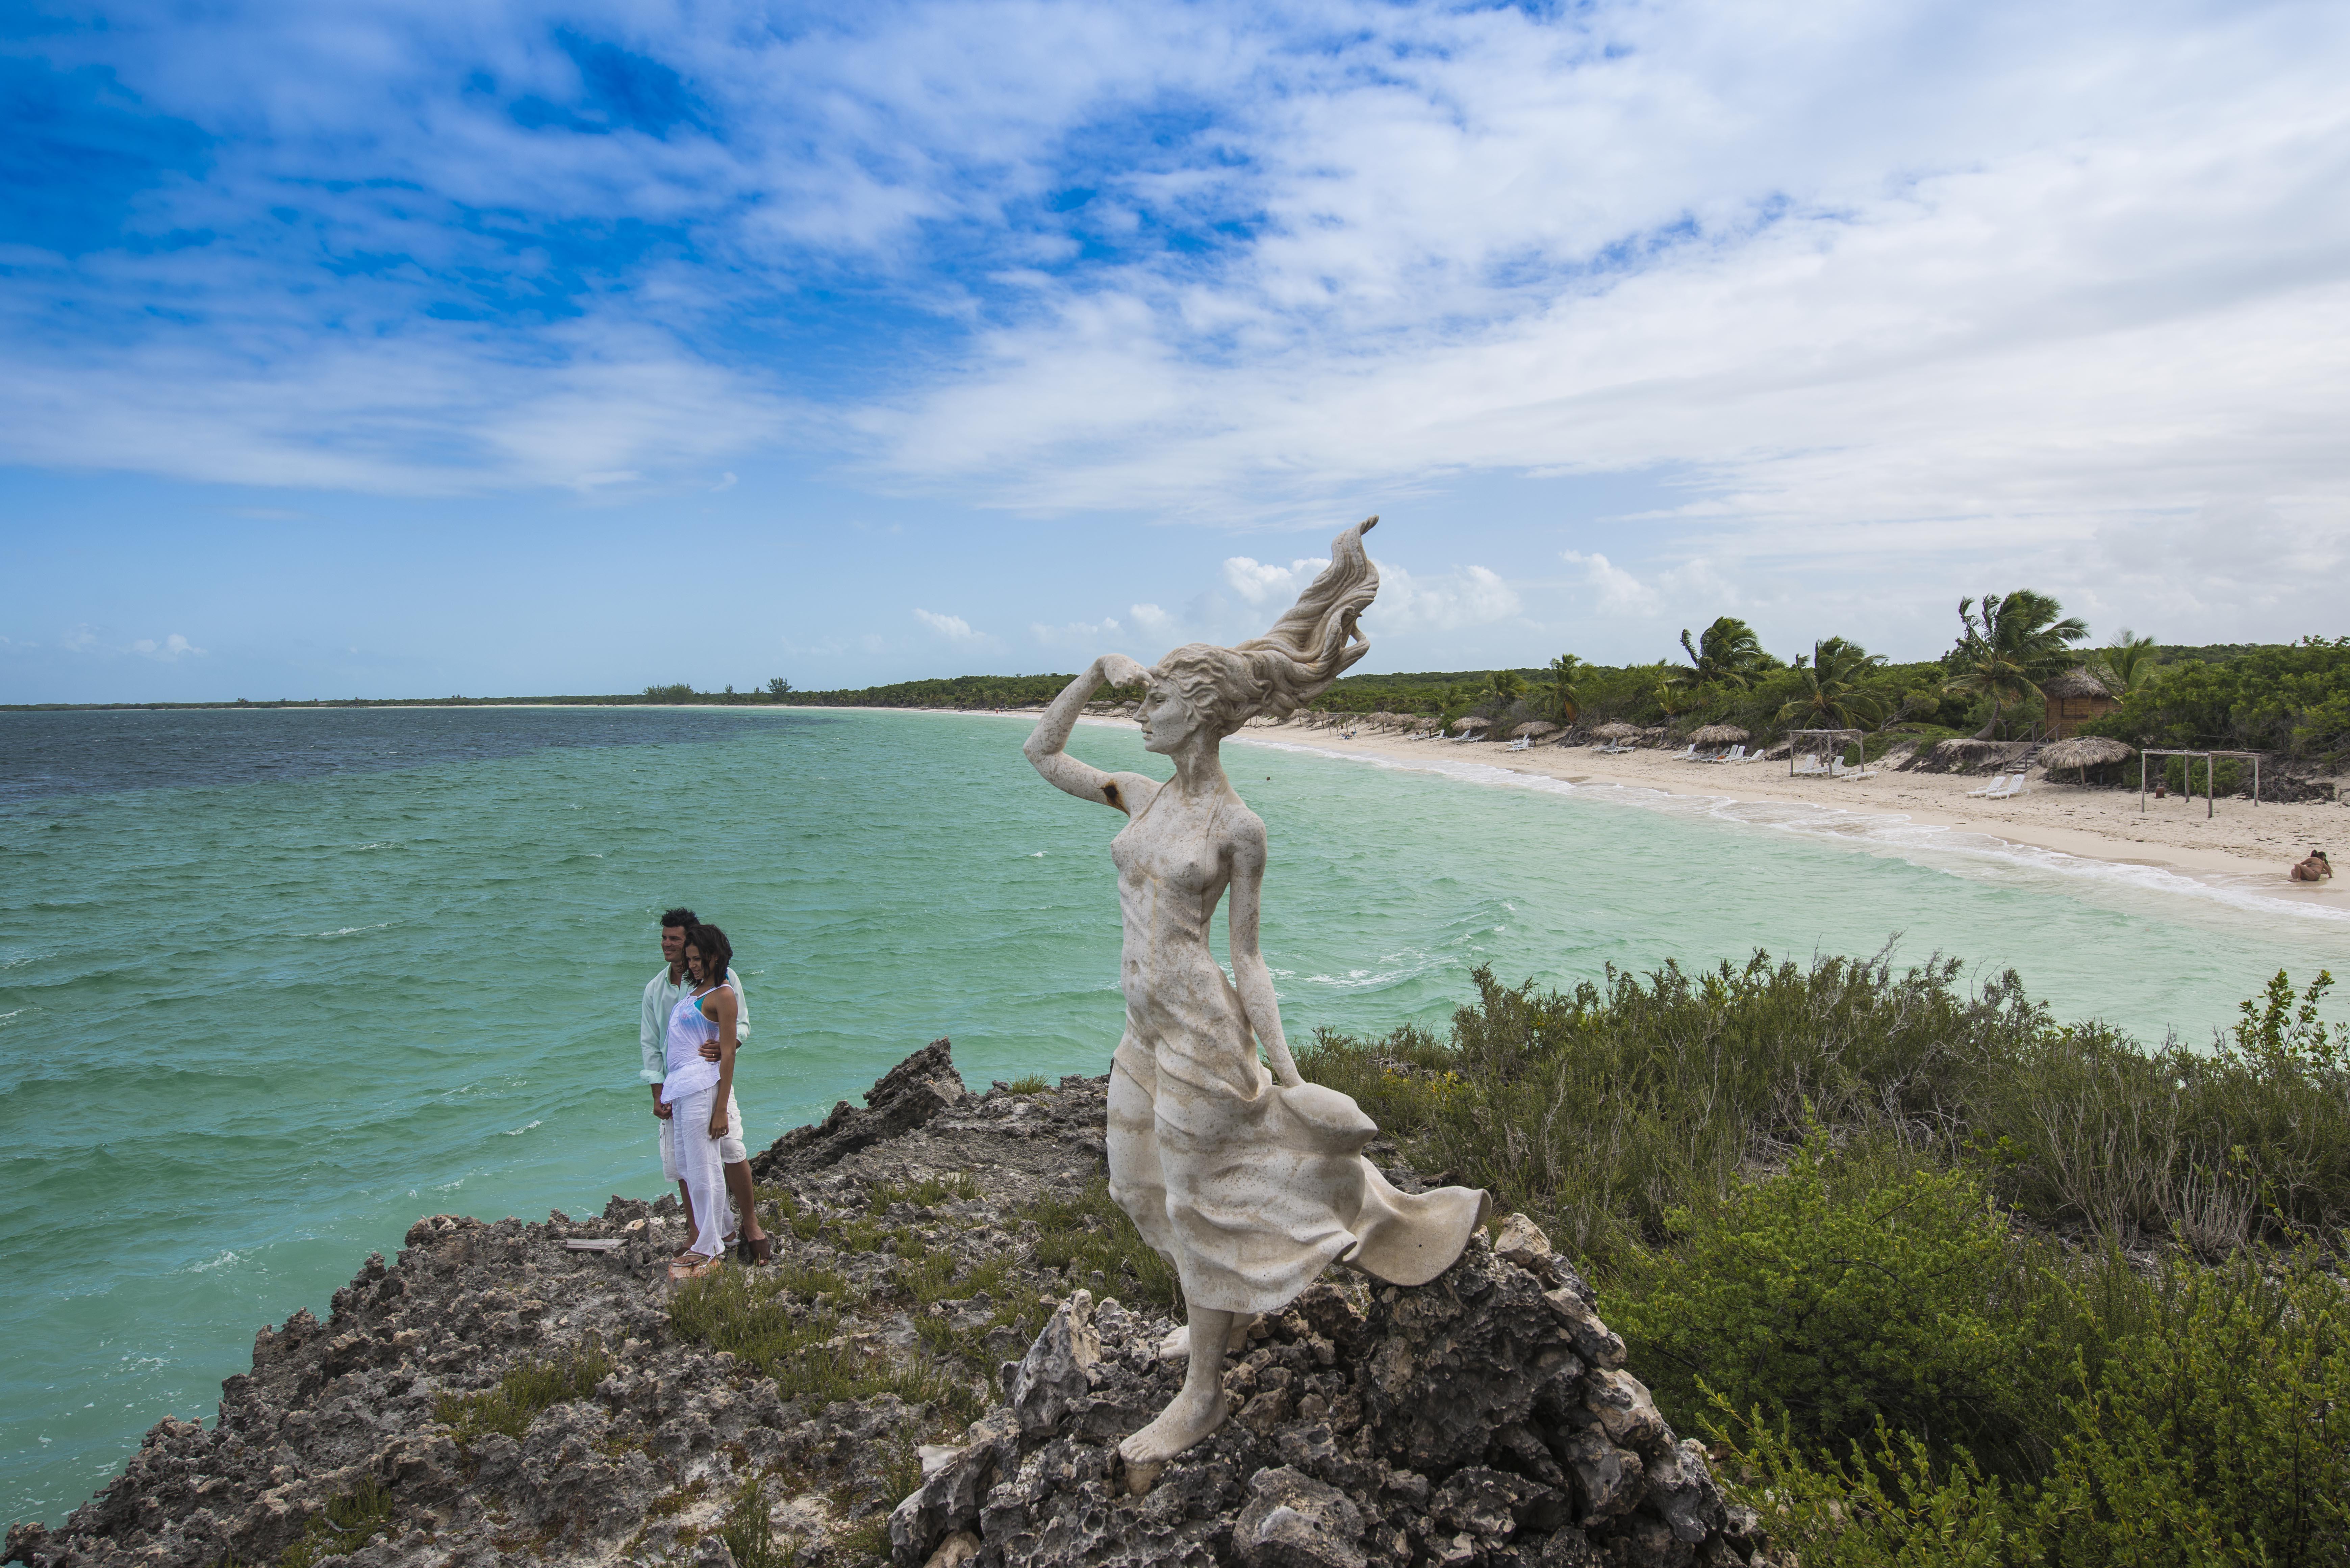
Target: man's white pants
(689, 1154)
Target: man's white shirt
(662, 995)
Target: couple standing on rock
(692, 1019)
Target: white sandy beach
(2240, 844)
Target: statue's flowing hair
(1288, 667)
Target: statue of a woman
(1250, 1183)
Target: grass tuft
(342, 1527)
(1090, 1235)
(525, 1390)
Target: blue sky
(377, 350)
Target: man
(662, 993)
(2316, 869)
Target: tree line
(2292, 699)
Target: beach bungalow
(2075, 698)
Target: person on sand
(662, 994)
(1250, 1183)
(2316, 869)
(696, 1091)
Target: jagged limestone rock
(1454, 1422)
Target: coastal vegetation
(2289, 700)
(1952, 1282)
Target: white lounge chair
(1687, 754)
(1520, 745)
(2014, 788)
(1998, 786)
(1808, 764)
(1737, 754)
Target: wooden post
(2209, 767)
(2141, 781)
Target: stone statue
(1250, 1183)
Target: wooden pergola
(2207, 756)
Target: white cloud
(954, 627)
(1075, 634)
(1465, 596)
(1150, 618)
(1896, 290)
(1261, 582)
(170, 649)
(1615, 592)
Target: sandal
(754, 1251)
(694, 1265)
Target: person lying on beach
(2316, 869)
(696, 1092)
(662, 994)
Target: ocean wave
(352, 931)
(518, 1132)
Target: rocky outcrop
(1483, 1418)
(909, 1095)
(512, 1392)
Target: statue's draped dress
(1250, 1189)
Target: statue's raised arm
(1251, 1182)
(1065, 772)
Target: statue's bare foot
(1177, 1345)
(1189, 1417)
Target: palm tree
(2018, 641)
(1502, 687)
(1728, 652)
(1565, 701)
(2127, 660)
(1831, 697)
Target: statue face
(1167, 719)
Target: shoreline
(2242, 851)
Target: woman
(1250, 1183)
(696, 1091)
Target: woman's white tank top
(689, 1030)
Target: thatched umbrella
(1718, 735)
(1536, 727)
(1617, 730)
(2083, 753)
(1471, 722)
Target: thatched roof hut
(1718, 735)
(2075, 698)
(2083, 753)
(1536, 727)
(1617, 730)
(1471, 722)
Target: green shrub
(1599, 1111)
(2213, 1429)
(1861, 1287)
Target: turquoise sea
(274, 984)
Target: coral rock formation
(1483, 1419)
